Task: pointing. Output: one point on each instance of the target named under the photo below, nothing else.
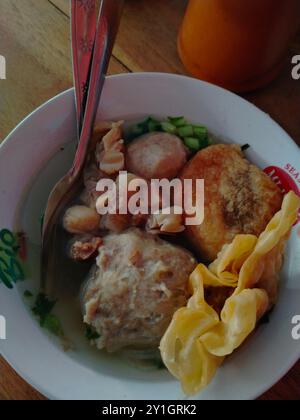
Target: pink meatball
(156, 156)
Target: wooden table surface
(36, 43)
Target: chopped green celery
(42, 310)
(43, 306)
(136, 131)
(168, 127)
(203, 143)
(153, 125)
(150, 124)
(185, 131)
(143, 125)
(200, 132)
(192, 143)
(52, 324)
(177, 121)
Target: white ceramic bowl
(27, 173)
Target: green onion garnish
(28, 294)
(168, 128)
(135, 131)
(178, 121)
(192, 143)
(42, 310)
(203, 143)
(195, 136)
(200, 132)
(52, 324)
(185, 131)
(153, 125)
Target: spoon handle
(83, 31)
(107, 28)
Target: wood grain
(35, 41)
(12, 387)
(281, 99)
(147, 34)
(147, 42)
(288, 388)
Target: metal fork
(83, 31)
(107, 27)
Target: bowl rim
(155, 75)
(40, 387)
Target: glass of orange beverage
(237, 44)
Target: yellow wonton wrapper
(198, 339)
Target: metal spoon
(68, 186)
(83, 32)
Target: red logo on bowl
(286, 179)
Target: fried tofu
(239, 198)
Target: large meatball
(138, 284)
(156, 156)
(239, 198)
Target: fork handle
(108, 23)
(83, 31)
